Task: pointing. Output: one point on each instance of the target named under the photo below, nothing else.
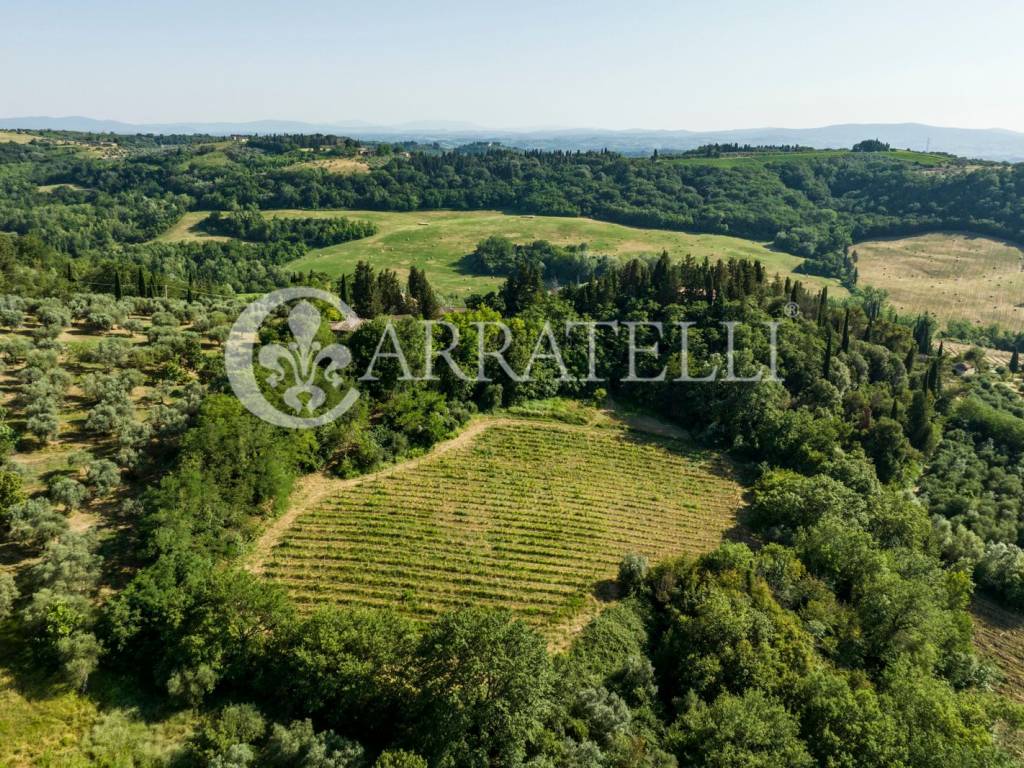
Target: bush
(68, 492)
(120, 740)
(34, 522)
(399, 758)
(632, 572)
(103, 475)
(299, 746)
(8, 594)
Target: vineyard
(533, 516)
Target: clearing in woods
(437, 241)
(532, 515)
(339, 166)
(953, 276)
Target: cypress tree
(345, 290)
(365, 294)
(920, 429)
(908, 361)
(666, 286)
(140, 283)
(827, 367)
(70, 273)
(426, 299)
(1014, 361)
(117, 284)
(845, 344)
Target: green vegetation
(313, 232)
(758, 157)
(840, 636)
(439, 242)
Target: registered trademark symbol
(791, 310)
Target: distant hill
(988, 144)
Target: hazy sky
(683, 64)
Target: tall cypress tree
(421, 291)
(920, 429)
(140, 283)
(345, 290)
(666, 284)
(117, 285)
(1014, 361)
(365, 292)
(845, 344)
(827, 367)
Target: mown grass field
(950, 275)
(532, 515)
(185, 230)
(437, 240)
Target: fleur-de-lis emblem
(303, 357)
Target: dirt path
(312, 489)
(648, 424)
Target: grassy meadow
(953, 276)
(529, 514)
(436, 241)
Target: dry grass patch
(340, 166)
(950, 275)
(16, 138)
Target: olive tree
(68, 492)
(103, 475)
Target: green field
(530, 515)
(437, 240)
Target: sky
(525, 64)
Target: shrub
(632, 572)
(34, 522)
